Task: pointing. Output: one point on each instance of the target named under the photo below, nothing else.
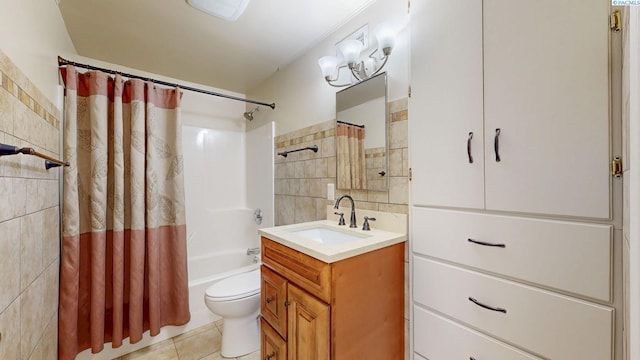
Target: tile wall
(301, 178)
(375, 160)
(29, 221)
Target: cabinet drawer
(437, 338)
(573, 257)
(272, 345)
(545, 323)
(273, 297)
(307, 272)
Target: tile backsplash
(301, 178)
(29, 220)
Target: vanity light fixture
(350, 50)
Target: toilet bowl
(237, 300)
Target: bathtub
(207, 269)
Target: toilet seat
(235, 287)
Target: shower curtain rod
(348, 123)
(62, 61)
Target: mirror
(361, 136)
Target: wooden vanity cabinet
(348, 309)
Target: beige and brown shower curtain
(352, 172)
(123, 261)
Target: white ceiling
(170, 38)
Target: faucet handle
(341, 221)
(365, 226)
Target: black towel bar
(313, 148)
(13, 150)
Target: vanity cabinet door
(308, 326)
(272, 345)
(273, 298)
(446, 127)
(546, 75)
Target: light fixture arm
(332, 81)
(358, 70)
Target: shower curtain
(352, 172)
(123, 258)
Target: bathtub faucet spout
(253, 251)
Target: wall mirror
(361, 136)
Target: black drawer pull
(269, 300)
(496, 309)
(469, 148)
(496, 145)
(486, 243)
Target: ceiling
(169, 37)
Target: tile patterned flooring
(202, 343)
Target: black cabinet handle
(486, 243)
(269, 300)
(496, 145)
(496, 309)
(469, 147)
(472, 358)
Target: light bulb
(328, 65)
(386, 37)
(350, 50)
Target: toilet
(237, 300)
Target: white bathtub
(207, 269)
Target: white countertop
(375, 239)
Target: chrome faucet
(253, 251)
(352, 222)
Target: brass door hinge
(616, 167)
(410, 174)
(614, 21)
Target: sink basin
(327, 236)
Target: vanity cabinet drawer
(569, 256)
(443, 339)
(273, 297)
(307, 272)
(272, 346)
(551, 325)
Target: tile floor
(202, 343)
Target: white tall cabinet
(511, 195)
(536, 70)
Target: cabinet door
(274, 295)
(546, 68)
(446, 103)
(308, 320)
(272, 345)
